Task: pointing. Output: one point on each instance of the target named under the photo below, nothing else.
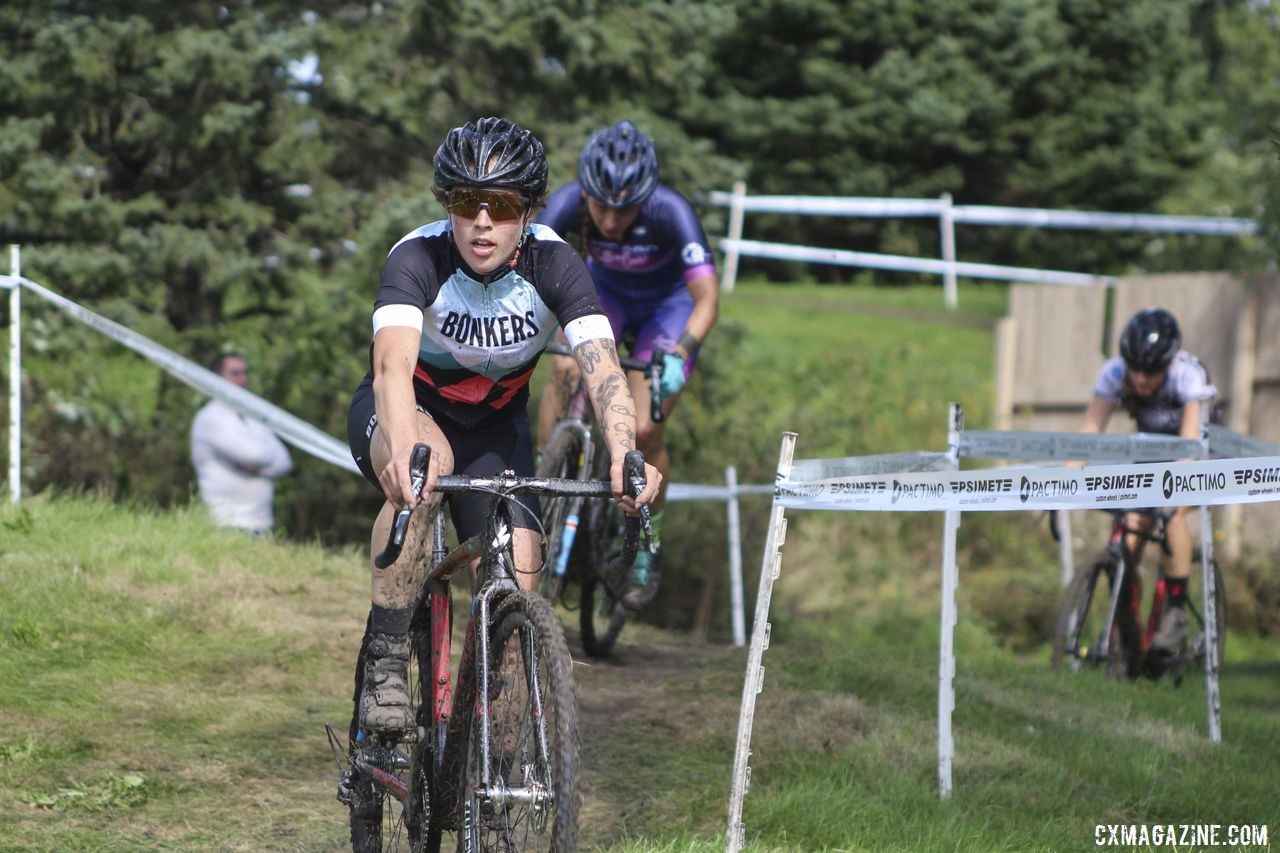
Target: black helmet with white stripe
(1150, 340)
(492, 152)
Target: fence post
(15, 375)
(947, 618)
(1211, 603)
(1240, 413)
(753, 681)
(735, 557)
(1006, 371)
(736, 214)
(947, 223)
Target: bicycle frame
(577, 421)
(375, 760)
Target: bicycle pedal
(346, 791)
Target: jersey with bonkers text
(663, 250)
(482, 335)
(1185, 380)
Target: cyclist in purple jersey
(464, 309)
(653, 269)
(1163, 388)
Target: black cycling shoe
(384, 698)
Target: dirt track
(656, 688)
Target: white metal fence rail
(948, 215)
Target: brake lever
(418, 459)
(633, 468)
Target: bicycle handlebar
(1119, 514)
(652, 369)
(507, 483)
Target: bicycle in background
(1100, 622)
(596, 528)
(497, 761)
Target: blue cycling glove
(672, 376)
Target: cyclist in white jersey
(464, 309)
(1163, 388)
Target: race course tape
(1133, 486)
(299, 433)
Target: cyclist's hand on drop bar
(397, 480)
(647, 492)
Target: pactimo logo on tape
(982, 487)
(1245, 476)
(1171, 482)
(1056, 488)
(904, 491)
(801, 490)
(1119, 482)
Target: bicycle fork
(1117, 584)
(495, 794)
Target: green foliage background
(231, 175)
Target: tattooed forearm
(615, 410)
(626, 436)
(596, 353)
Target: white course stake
(946, 645)
(1211, 603)
(753, 681)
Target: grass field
(164, 684)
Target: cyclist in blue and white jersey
(1163, 388)
(464, 309)
(653, 268)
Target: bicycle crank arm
(393, 786)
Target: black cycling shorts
(484, 451)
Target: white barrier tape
(903, 263)
(1090, 447)
(292, 429)
(852, 466)
(1199, 483)
(694, 492)
(1231, 443)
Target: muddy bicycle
(584, 537)
(1100, 622)
(497, 761)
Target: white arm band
(589, 328)
(397, 315)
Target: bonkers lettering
(489, 332)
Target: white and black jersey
(1186, 379)
(482, 335)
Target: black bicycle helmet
(1150, 340)
(492, 152)
(618, 165)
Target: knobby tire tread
(515, 611)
